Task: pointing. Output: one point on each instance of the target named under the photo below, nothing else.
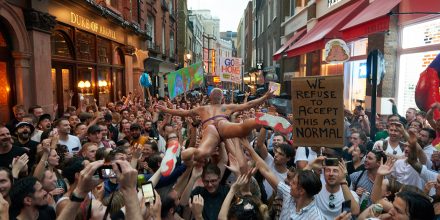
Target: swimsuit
(216, 122)
(215, 117)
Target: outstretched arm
(250, 104)
(179, 112)
(412, 156)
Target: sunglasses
(331, 204)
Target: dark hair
(379, 155)
(362, 135)
(415, 121)
(419, 207)
(393, 187)
(287, 149)
(21, 189)
(431, 132)
(167, 204)
(211, 168)
(121, 142)
(245, 208)
(154, 161)
(279, 134)
(112, 154)
(57, 122)
(101, 153)
(390, 116)
(154, 145)
(32, 108)
(421, 113)
(309, 181)
(8, 172)
(73, 166)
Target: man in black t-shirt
(29, 200)
(23, 132)
(7, 151)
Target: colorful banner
(185, 79)
(230, 69)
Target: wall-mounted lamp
(84, 86)
(102, 85)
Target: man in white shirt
(63, 128)
(335, 191)
(278, 164)
(298, 195)
(426, 136)
(392, 146)
(305, 155)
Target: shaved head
(216, 96)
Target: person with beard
(44, 124)
(24, 130)
(362, 181)
(7, 151)
(29, 201)
(135, 134)
(426, 136)
(335, 191)
(36, 110)
(5, 182)
(150, 130)
(63, 128)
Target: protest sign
(276, 87)
(185, 79)
(230, 69)
(318, 111)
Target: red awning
(374, 18)
(328, 27)
(289, 43)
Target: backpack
(385, 145)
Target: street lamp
(188, 58)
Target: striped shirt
(288, 212)
(362, 181)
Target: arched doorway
(7, 88)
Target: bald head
(216, 96)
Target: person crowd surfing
(198, 157)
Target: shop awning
(289, 43)
(325, 29)
(373, 19)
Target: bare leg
(231, 130)
(207, 145)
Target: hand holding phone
(148, 192)
(331, 162)
(346, 206)
(106, 171)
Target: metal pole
(374, 68)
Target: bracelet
(75, 198)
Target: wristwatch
(75, 198)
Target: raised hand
(196, 205)
(126, 175)
(342, 171)
(233, 164)
(385, 169)
(19, 164)
(87, 182)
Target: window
(422, 34)
(292, 7)
(411, 65)
(163, 40)
(170, 5)
(85, 46)
(59, 45)
(274, 7)
(269, 12)
(171, 44)
(268, 60)
(104, 51)
(150, 27)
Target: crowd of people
(207, 159)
